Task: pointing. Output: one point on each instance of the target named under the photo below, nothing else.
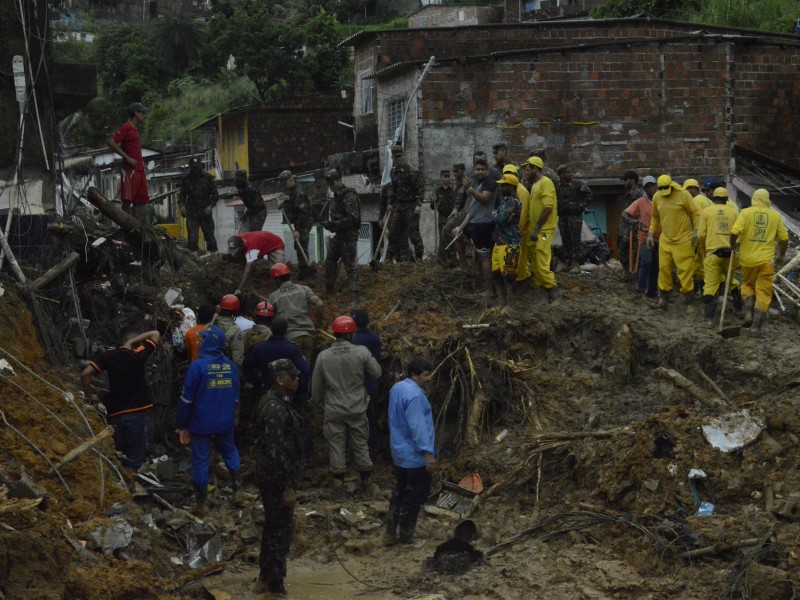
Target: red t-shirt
(643, 209)
(257, 244)
(127, 136)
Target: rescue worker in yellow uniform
(543, 219)
(756, 228)
(714, 242)
(524, 268)
(676, 214)
(702, 202)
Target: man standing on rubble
(638, 216)
(573, 198)
(413, 442)
(632, 192)
(371, 340)
(676, 214)
(129, 397)
(455, 217)
(252, 247)
(442, 202)
(299, 305)
(544, 218)
(505, 254)
(714, 244)
(207, 414)
(127, 143)
(255, 210)
(262, 318)
(344, 220)
(197, 197)
(701, 202)
(299, 211)
(757, 227)
(228, 309)
(338, 384)
(278, 455)
(405, 196)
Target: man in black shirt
(129, 397)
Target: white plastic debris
(697, 474)
(2, 291)
(172, 296)
(672, 468)
(733, 431)
(5, 368)
(111, 538)
(99, 241)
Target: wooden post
(81, 448)
(120, 217)
(55, 271)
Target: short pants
(134, 187)
(481, 236)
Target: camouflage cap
(285, 174)
(563, 169)
(283, 365)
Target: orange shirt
(192, 341)
(643, 210)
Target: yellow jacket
(733, 205)
(757, 227)
(677, 215)
(524, 216)
(701, 201)
(543, 195)
(714, 231)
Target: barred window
(366, 92)
(394, 113)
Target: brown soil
(622, 516)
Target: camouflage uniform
(459, 202)
(344, 219)
(256, 213)
(234, 339)
(278, 452)
(442, 201)
(196, 194)
(573, 198)
(257, 333)
(300, 213)
(405, 194)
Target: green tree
(179, 39)
(668, 9)
(324, 59)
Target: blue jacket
(210, 390)
(255, 363)
(370, 339)
(411, 430)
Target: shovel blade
(375, 265)
(730, 332)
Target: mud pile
(590, 487)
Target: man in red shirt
(126, 143)
(638, 215)
(254, 246)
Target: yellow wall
(232, 142)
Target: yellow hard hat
(720, 192)
(536, 162)
(510, 179)
(664, 181)
(691, 183)
(510, 169)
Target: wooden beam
(55, 271)
(83, 447)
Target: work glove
(779, 260)
(535, 233)
(723, 252)
(329, 225)
(651, 242)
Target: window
(366, 91)
(394, 113)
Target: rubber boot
(236, 486)
(749, 305)
(276, 587)
(406, 533)
(738, 305)
(663, 300)
(759, 318)
(200, 501)
(554, 294)
(390, 535)
(709, 307)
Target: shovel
(310, 270)
(736, 330)
(374, 263)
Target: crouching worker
(206, 413)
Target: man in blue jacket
(366, 337)
(413, 445)
(207, 413)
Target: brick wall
(448, 15)
(298, 133)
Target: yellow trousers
(758, 281)
(699, 265)
(681, 258)
(525, 252)
(540, 261)
(716, 270)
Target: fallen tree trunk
(80, 449)
(717, 548)
(711, 401)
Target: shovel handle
(291, 228)
(383, 232)
(727, 289)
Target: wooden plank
(83, 447)
(55, 270)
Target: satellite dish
(151, 165)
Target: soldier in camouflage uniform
(256, 211)
(278, 452)
(405, 195)
(227, 311)
(456, 216)
(197, 196)
(573, 198)
(344, 219)
(442, 201)
(299, 212)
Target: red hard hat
(279, 270)
(229, 302)
(265, 309)
(343, 324)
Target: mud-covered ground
(608, 509)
